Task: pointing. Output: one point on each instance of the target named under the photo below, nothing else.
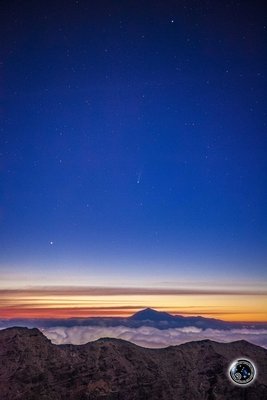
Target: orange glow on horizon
(80, 312)
(82, 302)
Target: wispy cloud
(128, 291)
(84, 301)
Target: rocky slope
(32, 368)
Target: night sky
(133, 155)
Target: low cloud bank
(152, 337)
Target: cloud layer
(152, 337)
(129, 291)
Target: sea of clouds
(152, 337)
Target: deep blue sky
(133, 137)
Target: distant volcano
(149, 314)
(163, 320)
(148, 317)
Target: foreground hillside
(32, 368)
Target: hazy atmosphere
(133, 163)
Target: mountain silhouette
(164, 320)
(148, 316)
(32, 368)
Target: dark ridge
(32, 368)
